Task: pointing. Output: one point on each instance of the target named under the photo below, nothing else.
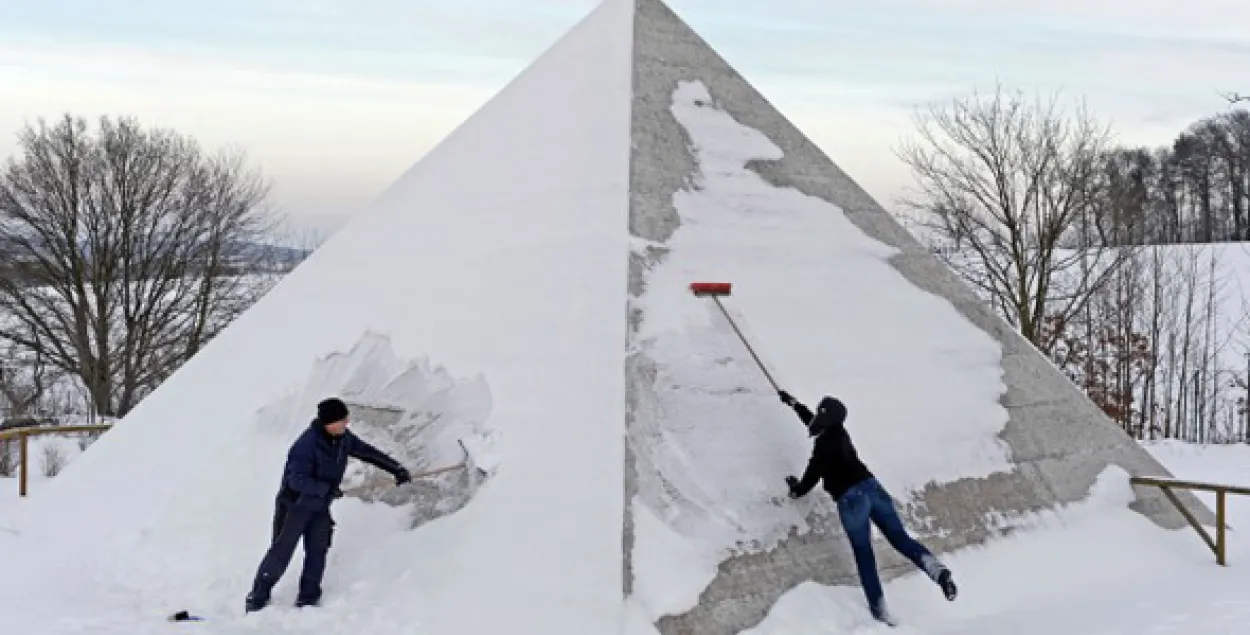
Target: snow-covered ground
(1212, 464)
(1101, 571)
(49, 454)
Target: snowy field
(49, 454)
(1102, 571)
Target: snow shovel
(715, 290)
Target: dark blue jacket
(316, 462)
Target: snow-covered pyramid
(524, 286)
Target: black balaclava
(829, 414)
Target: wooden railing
(23, 435)
(1166, 485)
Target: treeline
(1197, 190)
(1157, 346)
(1114, 261)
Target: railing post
(1219, 527)
(23, 454)
(1219, 546)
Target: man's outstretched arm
(364, 451)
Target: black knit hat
(331, 410)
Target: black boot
(882, 614)
(255, 602)
(947, 583)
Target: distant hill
(289, 256)
(243, 255)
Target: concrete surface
(1059, 439)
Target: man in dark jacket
(860, 499)
(310, 482)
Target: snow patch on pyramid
(713, 443)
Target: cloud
(1225, 20)
(475, 38)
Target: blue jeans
(868, 501)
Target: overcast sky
(334, 102)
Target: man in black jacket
(860, 499)
(310, 482)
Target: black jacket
(316, 462)
(834, 459)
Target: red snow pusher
(715, 290)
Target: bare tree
(1017, 183)
(127, 251)
(1151, 343)
(24, 380)
(54, 459)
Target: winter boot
(947, 583)
(254, 603)
(882, 614)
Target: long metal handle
(750, 350)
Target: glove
(793, 483)
(402, 476)
(785, 398)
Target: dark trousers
(290, 525)
(868, 501)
